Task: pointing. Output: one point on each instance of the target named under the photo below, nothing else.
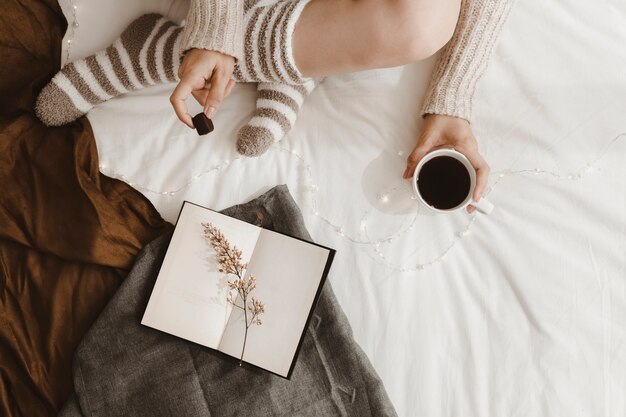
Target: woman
(286, 46)
(338, 36)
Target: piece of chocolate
(202, 124)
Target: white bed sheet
(525, 315)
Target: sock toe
(254, 140)
(54, 107)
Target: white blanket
(521, 313)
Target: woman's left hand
(207, 76)
(450, 132)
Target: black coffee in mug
(443, 182)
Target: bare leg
(339, 36)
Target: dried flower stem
(245, 334)
(229, 258)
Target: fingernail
(210, 112)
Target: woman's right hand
(450, 132)
(207, 76)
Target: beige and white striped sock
(269, 27)
(267, 56)
(147, 53)
(277, 107)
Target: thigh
(338, 36)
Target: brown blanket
(68, 234)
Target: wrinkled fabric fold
(122, 368)
(68, 234)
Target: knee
(425, 26)
(413, 30)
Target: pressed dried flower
(229, 258)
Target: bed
(68, 234)
(519, 313)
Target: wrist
(456, 119)
(206, 52)
(435, 121)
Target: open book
(240, 289)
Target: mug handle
(484, 206)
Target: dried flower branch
(229, 258)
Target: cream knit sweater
(217, 25)
(464, 59)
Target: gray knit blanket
(122, 368)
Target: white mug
(484, 206)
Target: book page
(288, 273)
(189, 297)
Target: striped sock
(277, 107)
(268, 57)
(144, 55)
(147, 54)
(267, 42)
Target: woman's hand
(450, 132)
(205, 75)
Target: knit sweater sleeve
(466, 56)
(215, 25)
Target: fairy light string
(71, 29)
(384, 197)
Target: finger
(414, 158)
(482, 173)
(482, 177)
(181, 69)
(471, 209)
(444, 146)
(229, 88)
(178, 97)
(219, 81)
(200, 96)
